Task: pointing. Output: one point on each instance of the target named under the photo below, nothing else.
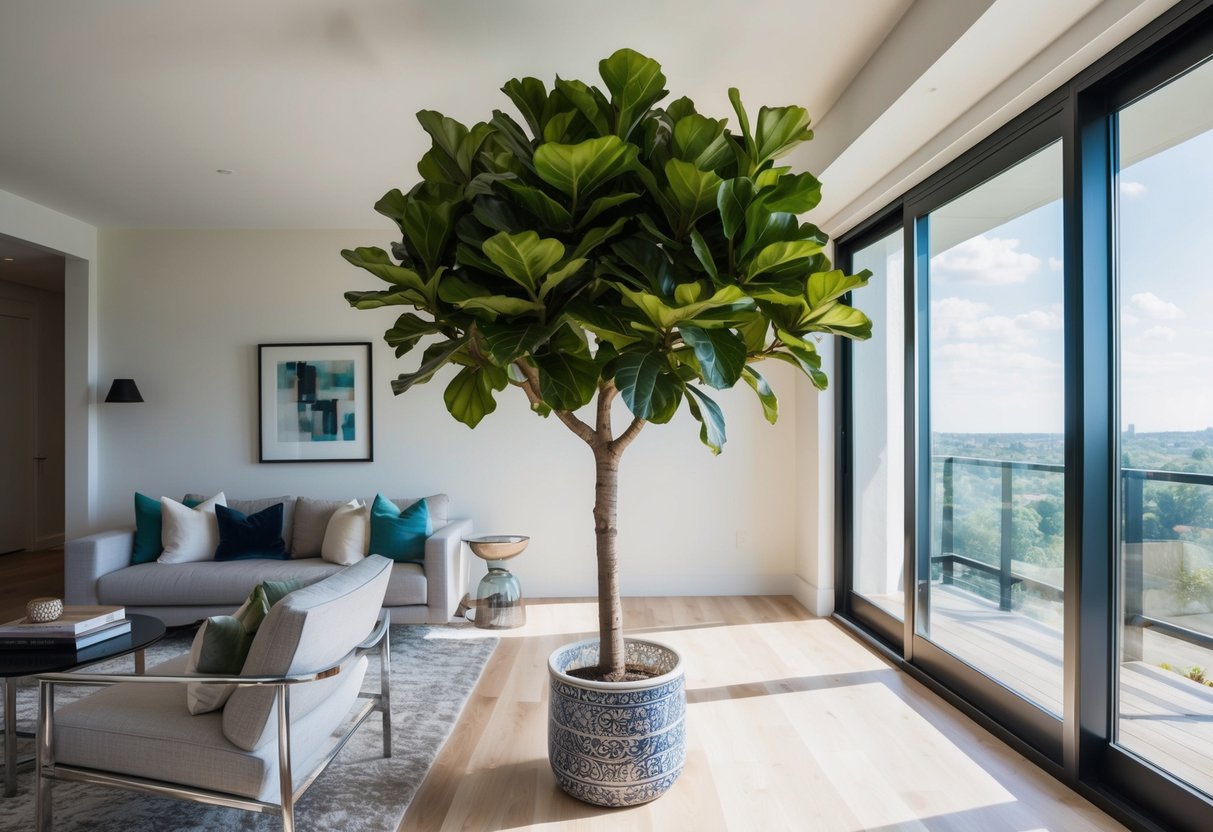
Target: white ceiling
(120, 113)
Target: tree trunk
(610, 610)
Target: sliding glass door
(1164, 187)
(875, 458)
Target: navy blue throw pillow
(255, 536)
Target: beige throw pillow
(189, 534)
(347, 534)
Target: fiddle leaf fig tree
(605, 246)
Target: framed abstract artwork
(315, 402)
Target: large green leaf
(595, 109)
(840, 320)
(530, 96)
(469, 396)
(428, 226)
(732, 199)
(558, 276)
(804, 355)
(743, 120)
(448, 135)
(831, 285)
(407, 331)
(523, 258)
(594, 237)
(779, 129)
(577, 169)
(694, 190)
(512, 137)
(711, 419)
(763, 229)
(720, 353)
(770, 404)
(435, 357)
(375, 300)
(376, 261)
(664, 316)
(548, 210)
(646, 385)
(702, 141)
(779, 254)
(566, 382)
(508, 341)
(703, 253)
(793, 194)
(604, 203)
(468, 295)
(636, 84)
(611, 324)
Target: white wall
(183, 312)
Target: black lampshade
(123, 390)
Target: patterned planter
(617, 743)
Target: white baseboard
(817, 601)
(679, 585)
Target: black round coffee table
(16, 663)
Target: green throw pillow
(148, 528)
(399, 535)
(227, 638)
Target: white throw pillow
(348, 534)
(189, 534)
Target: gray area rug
(433, 672)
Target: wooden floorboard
(792, 724)
(26, 575)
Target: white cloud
(992, 261)
(1160, 333)
(1127, 318)
(1131, 190)
(1155, 308)
(1055, 264)
(959, 319)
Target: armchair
(276, 734)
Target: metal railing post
(947, 533)
(1004, 559)
(1133, 583)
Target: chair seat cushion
(213, 583)
(145, 730)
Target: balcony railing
(1133, 482)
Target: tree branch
(531, 388)
(627, 436)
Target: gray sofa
(98, 569)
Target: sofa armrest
(446, 569)
(86, 559)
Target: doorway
(32, 418)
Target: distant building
(1132, 431)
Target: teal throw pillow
(257, 535)
(148, 528)
(399, 535)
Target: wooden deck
(1165, 718)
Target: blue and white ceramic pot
(617, 743)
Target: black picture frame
(314, 402)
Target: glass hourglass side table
(498, 602)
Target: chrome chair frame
(47, 771)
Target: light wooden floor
(792, 724)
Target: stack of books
(79, 626)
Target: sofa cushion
(137, 730)
(312, 520)
(309, 630)
(257, 535)
(345, 539)
(399, 535)
(189, 534)
(260, 504)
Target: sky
(996, 306)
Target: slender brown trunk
(610, 610)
